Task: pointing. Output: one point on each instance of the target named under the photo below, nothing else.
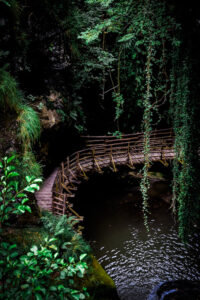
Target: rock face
(99, 285)
(176, 290)
(49, 117)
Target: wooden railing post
(68, 167)
(111, 154)
(93, 154)
(68, 162)
(77, 158)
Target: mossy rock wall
(100, 286)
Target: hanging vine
(185, 183)
(144, 74)
(144, 185)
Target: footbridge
(101, 152)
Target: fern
(68, 240)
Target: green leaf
(21, 208)
(29, 189)
(71, 260)
(12, 247)
(6, 2)
(14, 184)
(24, 200)
(53, 288)
(14, 254)
(126, 38)
(62, 275)
(24, 286)
(34, 249)
(37, 180)
(38, 296)
(28, 178)
(35, 186)
(21, 195)
(10, 159)
(1, 165)
(82, 256)
(27, 208)
(13, 174)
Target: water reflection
(136, 260)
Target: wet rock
(100, 286)
(176, 290)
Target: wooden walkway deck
(101, 152)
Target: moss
(100, 286)
(24, 237)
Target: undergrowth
(29, 123)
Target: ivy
(185, 183)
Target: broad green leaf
(37, 180)
(82, 256)
(10, 168)
(10, 159)
(35, 186)
(20, 195)
(12, 246)
(13, 174)
(21, 208)
(71, 260)
(27, 208)
(25, 200)
(28, 178)
(29, 189)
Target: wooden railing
(104, 151)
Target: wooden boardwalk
(44, 195)
(102, 152)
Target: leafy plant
(68, 240)
(40, 273)
(12, 199)
(185, 168)
(29, 123)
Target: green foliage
(126, 31)
(69, 241)
(40, 273)
(185, 181)
(30, 126)
(130, 46)
(51, 269)
(30, 166)
(28, 119)
(9, 94)
(118, 99)
(12, 199)
(29, 123)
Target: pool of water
(135, 259)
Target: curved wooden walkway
(101, 152)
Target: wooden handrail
(105, 151)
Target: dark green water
(136, 260)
